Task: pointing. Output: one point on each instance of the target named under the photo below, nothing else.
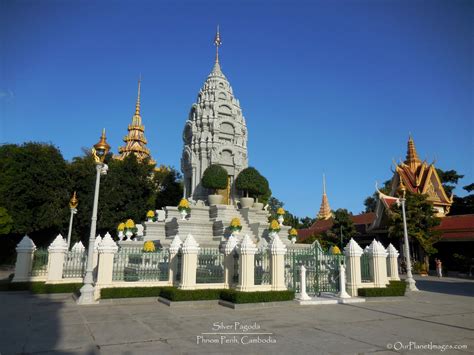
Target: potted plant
(149, 247)
(274, 228)
(292, 234)
(130, 229)
(120, 229)
(235, 226)
(214, 178)
(183, 208)
(250, 183)
(150, 215)
(263, 194)
(281, 215)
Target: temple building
(135, 141)
(324, 211)
(214, 133)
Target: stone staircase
(222, 215)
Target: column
(229, 249)
(188, 270)
(173, 263)
(352, 253)
(378, 264)
(247, 252)
(57, 250)
(107, 249)
(24, 259)
(278, 251)
(392, 264)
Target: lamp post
(73, 206)
(99, 152)
(410, 281)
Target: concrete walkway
(443, 315)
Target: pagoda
(135, 141)
(324, 211)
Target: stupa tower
(135, 141)
(324, 210)
(215, 133)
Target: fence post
(278, 251)
(303, 295)
(342, 282)
(393, 263)
(247, 252)
(56, 252)
(229, 248)
(173, 264)
(378, 264)
(107, 249)
(24, 259)
(352, 253)
(188, 274)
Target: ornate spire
(412, 156)
(218, 43)
(324, 210)
(137, 105)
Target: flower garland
(235, 225)
(274, 227)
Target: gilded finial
(217, 43)
(137, 106)
(100, 149)
(324, 184)
(73, 202)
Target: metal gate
(322, 269)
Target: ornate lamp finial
(218, 43)
(73, 202)
(100, 149)
(402, 189)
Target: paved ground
(441, 315)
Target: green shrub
(395, 288)
(40, 287)
(175, 294)
(249, 181)
(214, 178)
(126, 292)
(257, 297)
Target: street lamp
(73, 206)
(410, 281)
(99, 152)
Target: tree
(168, 187)
(449, 179)
(6, 221)
(306, 222)
(249, 182)
(463, 205)
(342, 224)
(214, 178)
(370, 202)
(420, 219)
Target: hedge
(41, 287)
(257, 297)
(214, 177)
(395, 288)
(129, 292)
(175, 294)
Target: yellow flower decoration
(183, 203)
(235, 222)
(293, 232)
(280, 211)
(150, 214)
(130, 223)
(335, 250)
(275, 225)
(121, 227)
(149, 246)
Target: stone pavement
(441, 315)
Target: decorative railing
(74, 264)
(133, 264)
(365, 268)
(263, 275)
(40, 263)
(210, 266)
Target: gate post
(229, 249)
(278, 251)
(392, 264)
(352, 252)
(105, 268)
(188, 274)
(24, 259)
(56, 252)
(378, 263)
(173, 263)
(303, 295)
(247, 252)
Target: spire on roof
(324, 210)
(412, 156)
(137, 105)
(218, 43)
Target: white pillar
(342, 282)
(95, 256)
(247, 250)
(353, 252)
(278, 251)
(188, 274)
(392, 263)
(229, 250)
(303, 295)
(107, 249)
(24, 259)
(378, 263)
(173, 263)
(56, 252)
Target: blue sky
(329, 87)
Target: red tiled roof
(460, 227)
(364, 218)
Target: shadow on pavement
(447, 286)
